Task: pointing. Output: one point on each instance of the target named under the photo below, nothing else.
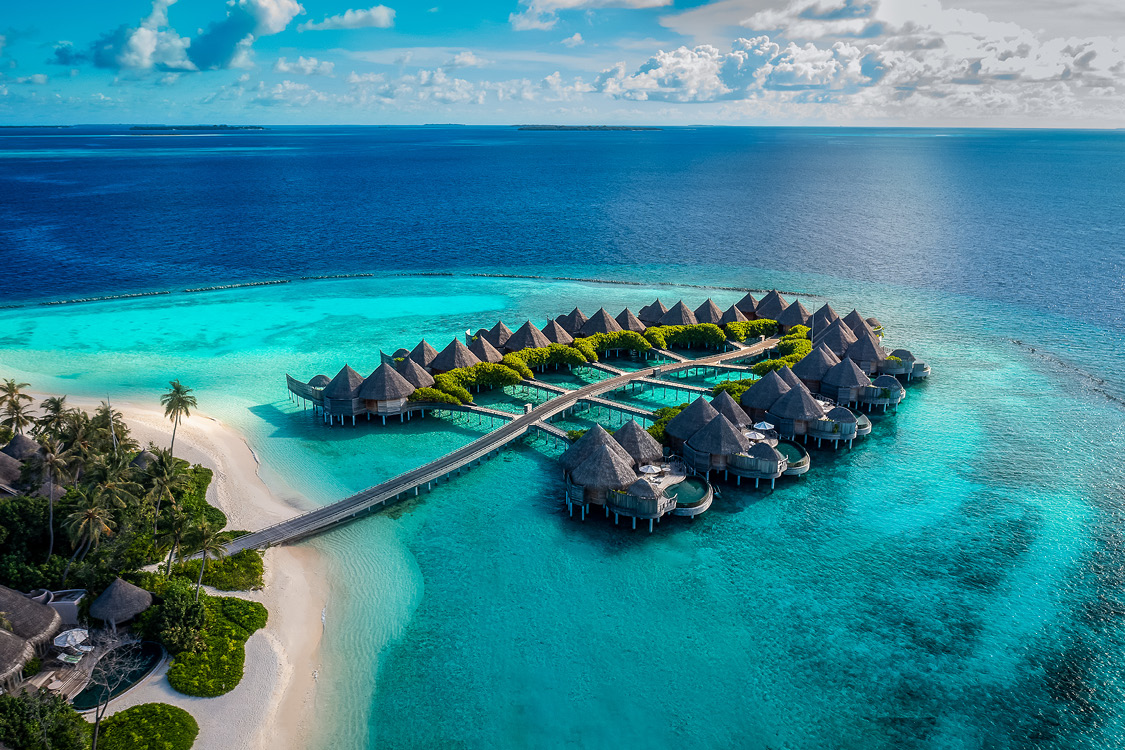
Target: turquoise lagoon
(952, 582)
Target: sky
(974, 63)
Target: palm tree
(112, 431)
(11, 392)
(79, 438)
(55, 414)
(88, 526)
(178, 402)
(54, 463)
(17, 417)
(166, 474)
(210, 545)
(115, 476)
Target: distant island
(586, 127)
(197, 127)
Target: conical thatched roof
(732, 315)
(874, 323)
(719, 437)
(21, 447)
(823, 318)
(120, 602)
(765, 451)
(423, 354)
(651, 314)
(905, 355)
(415, 374)
(841, 414)
(573, 321)
(845, 375)
(584, 446)
(319, 381)
(708, 312)
(499, 334)
(604, 470)
(837, 337)
(748, 306)
(890, 382)
(629, 322)
(385, 384)
(484, 350)
(599, 322)
(344, 385)
(527, 337)
(33, 622)
(866, 349)
(797, 404)
(453, 356)
(772, 305)
(814, 364)
(764, 393)
(794, 315)
(855, 321)
(556, 334)
(15, 652)
(10, 469)
(400, 353)
(725, 404)
(679, 315)
(644, 489)
(636, 441)
(145, 458)
(691, 420)
(790, 378)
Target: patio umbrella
(763, 426)
(71, 638)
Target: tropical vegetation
(149, 726)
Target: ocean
(954, 581)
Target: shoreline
(272, 706)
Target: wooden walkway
(451, 464)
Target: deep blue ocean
(954, 581)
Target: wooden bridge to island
(516, 426)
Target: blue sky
(846, 62)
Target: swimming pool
(149, 655)
(690, 492)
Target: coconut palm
(114, 474)
(166, 475)
(11, 392)
(210, 546)
(54, 464)
(79, 437)
(55, 414)
(17, 417)
(178, 403)
(111, 429)
(88, 525)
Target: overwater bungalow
(384, 391)
(856, 322)
(28, 630)
(423, 354)
(793, 315)
(711, 447)
(760, 461)
(599, 322)
(120, 603)
(638, 443)
(572, 322)
(641, 499)
(792, 413)
(584, 446)
(340, 396)
(498, 335)
(771, 306)
(758, 398)
(708, 312)
(867, 352)
(453, 356)
(812, 367)
(732, 315)
(876, 326)
(592, 480)
(651, 314)
(838, 426)
(844, 382)
(906, 364)
(527, 337)
(689, 421)
(748, 306)
(416, 374)
(679, 315)
(484, 350)
(319, 381)
(556, 334)
(884, 391)
(837, 337)
(729, 408)
(786, 373)
(822, 318)
(629, 322)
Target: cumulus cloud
(574, 41)
(37, 79)
(377, 17)
(307, 66)
(150, 45)
(465, 59)
(543, 14)
(226, 44)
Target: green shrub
(752, 329)
(769, 365)
(703, 334)
(193, 500)
(892, 359)
(663, 417)
(586, 349)
(797, 347)
(433, 394)
(543, 356)
(33, 667)
(217, 668)
(242, 571)
(573, 435)
(149, 726)
(39, 720)
(248, 615)
(798, 332)
(178, 620)
(450, 382)
(734, 387)
(627, 340)
(516, 364)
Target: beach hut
(629, 322)
(527, 337)
(573, 321)
(771, 306)
(341, 395)
(792, 413)
(790, 378)
(593, 479)
(21, 447)
(822, 318)
(867, 352)
(732, 315)
(15, 653)
(650, 315)
(120, 603)
(583, 447)
(10, 470)
(708, 312)
(855, 321)
(498, 336)
(32, 621)
(453, 356)
(485, 351)
(423, 354)
(793, 315)
(748, 306)
(679, 315)
(837, 337)
(641, 499)
(884, 391)
(689, 421)
(415, 374)
(898, 362)
(599, 322)
(758, 398)
(843, 383)
(725, 404)
(638, 443)
(145, 458)
(760, 461)
(712, 446)
(385, 391)
(319, 381)
(556, 334)
(875, 326)
(838, 426)
(813, 365)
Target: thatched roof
(747, 305)
(120, 602)
(874, 323)
(643, 488)
(765, 392)
(423, 354)
(708, 312)
(797, 404)
(790, 377)
(691, 420)
(453, 356)
(905, 355)
(145, 458)
(15, 652)
(629, 322)
(772, 305)
(652, 313)
(794, 315)
(599, 322)
(400, 353)
(847, 374)
(527, 337)
(855, 321)
(841, 414)
(415, 373)
(725, 404)
(732, 315)
(822, 318)
(344, 385)
(764, 451)
(385, 384)
(636, 441)
(604, 470)
(719, 437)
(21, 447)
(319, 381)
(584, 446)
(890, 382)
(866, 349)
(484, 350)
(837, 337)
(499, 334)
(573, 321)
(49, 489)
(555, 333)
(679, 315)
(10, 469)
(814, 364)
(33, 622)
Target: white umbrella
(754, 435)
(71, 638)
(763, 426)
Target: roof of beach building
(638, 443)
(455, 355)
(841, 414)
(415, 373)
(573, 321)
(22, 447)
(385, 384)
(837, 337)
(764, 393)
(904, 354)
(847, 374)
(145, 458)
(644, 489)
(888, 381)
(527, 337)
(556, 334)
(653, 312)
(15, 652)
(794, 315)
(725, 404)
(423, 353)
(679, 315)
(499, 334)
(599, 322)
(629, 322)
(33, 622)
(732, 315)
(814, 364)
(874, 323)
(344, 385)
(319, 381)
(764, 451)
(719, 437)
(120, 602)
(581, 448)
(604, 469)
(708, 312)
(772, 305)
(823, 317)
(797, 404)
(484, 350)
(747, 305)
(790, 378)
(866, 349)
(691, 420)
(10, 469)
(855, 321)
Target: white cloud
(365, 78)
(378, 17)
(543, 14)
(465, 59)
(289, 94)
(150, 45)
(3, 42)
(37, 78)
(227, 44)
(304, 66)
(574, 41)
